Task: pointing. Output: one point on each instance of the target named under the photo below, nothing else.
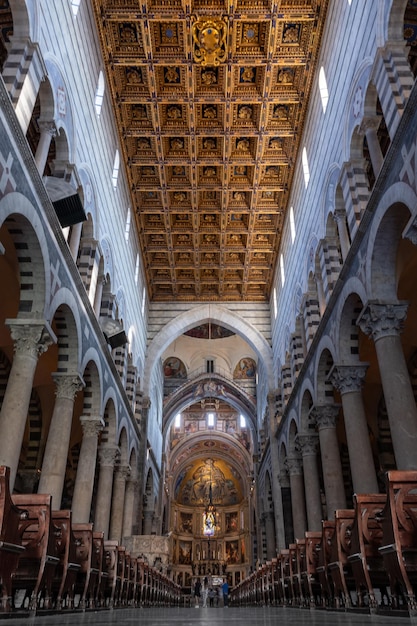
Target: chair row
(365, 558)
(47, 562)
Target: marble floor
(268, 616)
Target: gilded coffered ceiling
(210, 99)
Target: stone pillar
(271, 551)
(129, 508)
(57, 445)
(309, 447)
(295, 470)
(284, 481)
(326, 416)
(384, 323)
(348, 379)
(31, 338)
(143, 425)
(84, 482)
(107, 456)
(369, 127)
(276, 487)
(118, 502)
(48, 131)
(98, 295)
(74, 242)
(342, 229)
(147, 521)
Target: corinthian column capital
(67, 385)
(326, 415)
(31, 337)
(348, 378)
(382, 319)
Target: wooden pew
(365, 558)
(69, 566)
(113, 565)
(297, 567)
(338, 565)
(287, 569)
(10, 540)
(40, 559)
(310, 583)
(326, 585)
(90, 558)
(399, 544)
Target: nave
(260, 616)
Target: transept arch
(203, 314)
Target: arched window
(292, 224)
(98, 100)
(306, 169)
(275, 303)
(128, 223)
(75, 5)
(324, 92)
(281, 263)
(137, 270)
(116, 167)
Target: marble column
(130, 499)
(348, 380)
(31, 338)
(84, 482)
(143, 428)
(309, 447)
(326, 416)
(48, 131)
(271, 551)
(276, 487)
(118, 502)
(369, 127)
(107, 456)
(295, 470)
(147, 521)
(342, 229)
(57, 445)
(384, 323)
(284, 481)
(74, 242)
(98, 294)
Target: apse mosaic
(192, 486)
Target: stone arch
(65, 318)
(323, 387)
(123, 446)
(355, 110)
(108, 436)
(89, 197)
(385, 236)
(200, 315)
(62, 103)
(306, 404)
(91, 392)
(292, 436)
(197, 389)
(395, 21)
(348, 339)
(24, 232)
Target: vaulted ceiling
(210, 99)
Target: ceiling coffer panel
(210, 100)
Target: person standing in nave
(197, 593)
